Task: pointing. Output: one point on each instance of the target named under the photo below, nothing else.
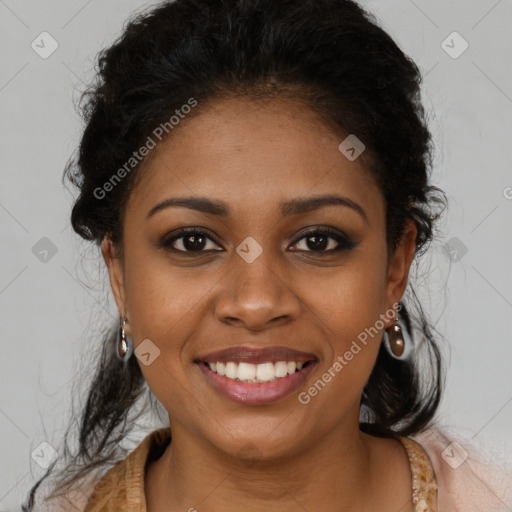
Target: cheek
(160, 297)
(166, 305)
(349, 308)
(354, 331)
(349, 300)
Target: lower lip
(260, 393)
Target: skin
(285, 456)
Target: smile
(256, 373)
(256, 376)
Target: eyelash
(344, 243)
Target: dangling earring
(397, 341)
(124, 344)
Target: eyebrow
(287, 208)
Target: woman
(257, 176)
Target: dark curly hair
(331, 56)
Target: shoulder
(122, 486)
(469, 476)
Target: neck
(335, 472)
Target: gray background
(48, 308)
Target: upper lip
(256, 355)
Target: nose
(257, 295)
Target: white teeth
(231, 370)
(265, 372)
(281, 369)
(221, 368)
(248, 372)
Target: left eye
(323, 241)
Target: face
(272, 277)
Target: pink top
(469, 477)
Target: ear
(115, 271)
(400, 263)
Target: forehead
(246, 151)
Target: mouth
(250, 373)
(256, 376)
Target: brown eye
(189, 240)
(324, 240)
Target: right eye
(189, 240)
